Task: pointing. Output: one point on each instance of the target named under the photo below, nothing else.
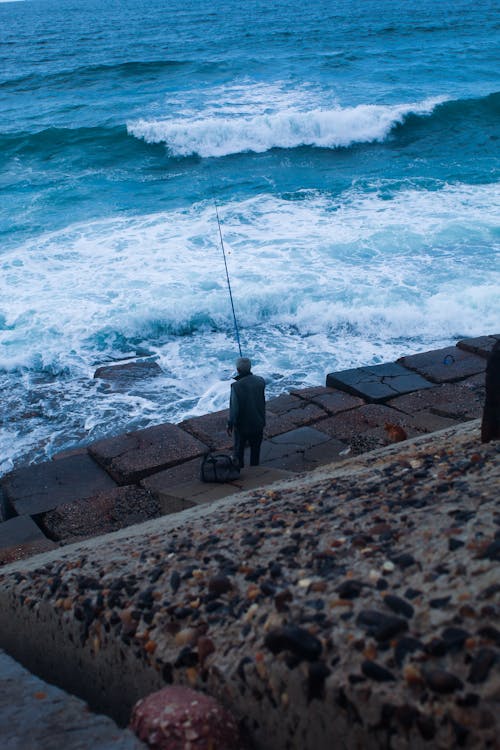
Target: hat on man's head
(243, 365)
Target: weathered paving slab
(174, 498)
(451, 400)
(332, 400)
(210, 429)
(377, 383)
(482, 345)
(130, 457)
(39, 488)
(351, 424)
(189, 471)
(35, 715)
(299, 450)
(19, 530)
(299, 412)
(101, 514)
(444, 365)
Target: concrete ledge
(332, 400)
(130, 457)
(377, 383)
(35, 715)
(39, 488)
(482, 345)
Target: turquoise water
(352, 150)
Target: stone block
(444, 365)
(19, 530)
(332, 400)
(452, 400)
(158, 483)
(350, 424)
(294, 442)
(482, 345)
(130, 457)
(42, 487)
(210, 429)
(298, 411)
(189, 494)
(377, 383)
(101, 514)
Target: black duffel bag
(218, 467)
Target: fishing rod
(227, 272)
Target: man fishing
(247, 412)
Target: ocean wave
(81, 76)
(216, 136)
(333, 128)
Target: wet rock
(299, 641)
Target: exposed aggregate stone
(354, 607)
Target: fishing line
(225, 265)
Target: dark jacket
(247, 407)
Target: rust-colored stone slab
(349, 424)
(452, 400)
(444, 365)
(101, 514)
(210, 429)
(41, 487)
(332, 400)
(482, 345)
(299, 412)
(377, 383)
(427, 421)
(135, 455)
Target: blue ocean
(351, 150)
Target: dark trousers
(241, 439)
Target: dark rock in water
(299, 641)
(442, 682)
(122, 376)
(481, 665)
(376, 672)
